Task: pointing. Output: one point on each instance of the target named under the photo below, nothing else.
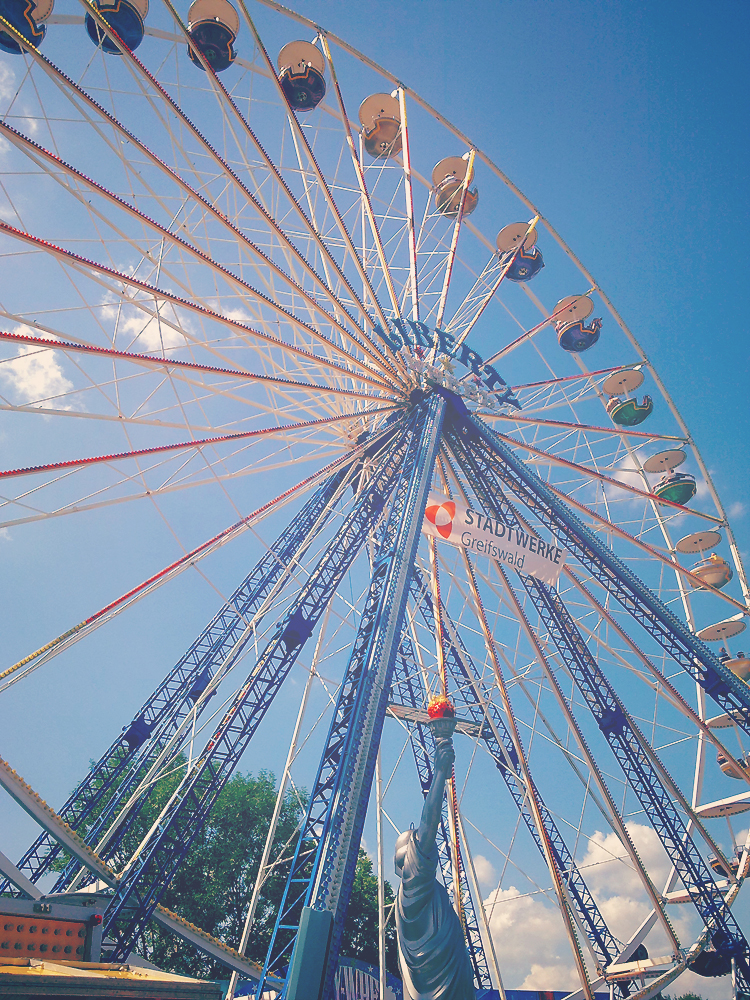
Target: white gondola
(448, 177)
(380, 118)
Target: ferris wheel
(254, 287)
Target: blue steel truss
(130, 756)
(324, 864)
(622, 734)
(423, 748)
(673, 635)
(467, 694)
(338, 803)
(143, 884)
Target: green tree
(361, 927)
(683, 996)
(214, 883)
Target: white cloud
(7, 82)
(5, 535)
(551, 977)
(529, 935)
(485, 870)
(619, 890)
(530, 941)
(736, 509)
(34, 375)
(622, 473)
(149, 335)
(610, 873)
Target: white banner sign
(488, 536)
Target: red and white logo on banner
(441, 515)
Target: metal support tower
(117, 772)
(629, 746)
(673, 635)
(150, 871)
(338, 803)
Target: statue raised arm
(431, 947)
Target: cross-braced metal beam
(338, 803)
(630, 748)
(149, 872)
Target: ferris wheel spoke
(585, 428)
(476, 294)
(283, 430)
(409, 198)
(78, 507)
(47, 411)
(50, 649)
(43, 156)
(173, 364)
(99, 270)
(365, 194)
(569, 378)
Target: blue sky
(626, 124)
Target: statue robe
(431, 947)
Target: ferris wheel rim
(644, 359)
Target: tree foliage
(213, 885)
(361, 927)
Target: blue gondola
(213, 26)
(200, 684)
(577, 338)
(301, 74)
(22, 15)
(137, 733)
(124, 18)
(527, 264)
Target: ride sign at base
(477, 532)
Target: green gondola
(629, 412)
(677, 487)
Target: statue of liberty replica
(431, 948)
